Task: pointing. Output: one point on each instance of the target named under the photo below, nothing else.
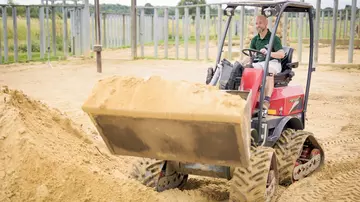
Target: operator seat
(285, 76)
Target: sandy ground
(46, 157)
(324, 57)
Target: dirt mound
(157, 95)
(44, 156)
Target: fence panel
(184, 32)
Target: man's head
(261, 23)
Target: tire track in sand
(339, 179)
(345, 187)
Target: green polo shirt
(257, 43)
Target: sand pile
(154, 95)
(44, 156)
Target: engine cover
(286, 101)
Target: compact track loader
(256, 152)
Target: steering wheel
(251, 54)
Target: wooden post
(98, 47)
(133, 29)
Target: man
(277, 53)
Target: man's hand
(263, 51)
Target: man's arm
(280, 54)
(278, 49)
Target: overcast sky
(324, 3)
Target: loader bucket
(172, 120)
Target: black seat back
(285, 76)
(288, 57)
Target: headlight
(268, 13)
(229, 11)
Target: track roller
(154, 173)
(299, 155)
(259, 181)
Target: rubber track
(249, 184)
(147, 171)
(288, 149)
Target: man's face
(261, 24)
